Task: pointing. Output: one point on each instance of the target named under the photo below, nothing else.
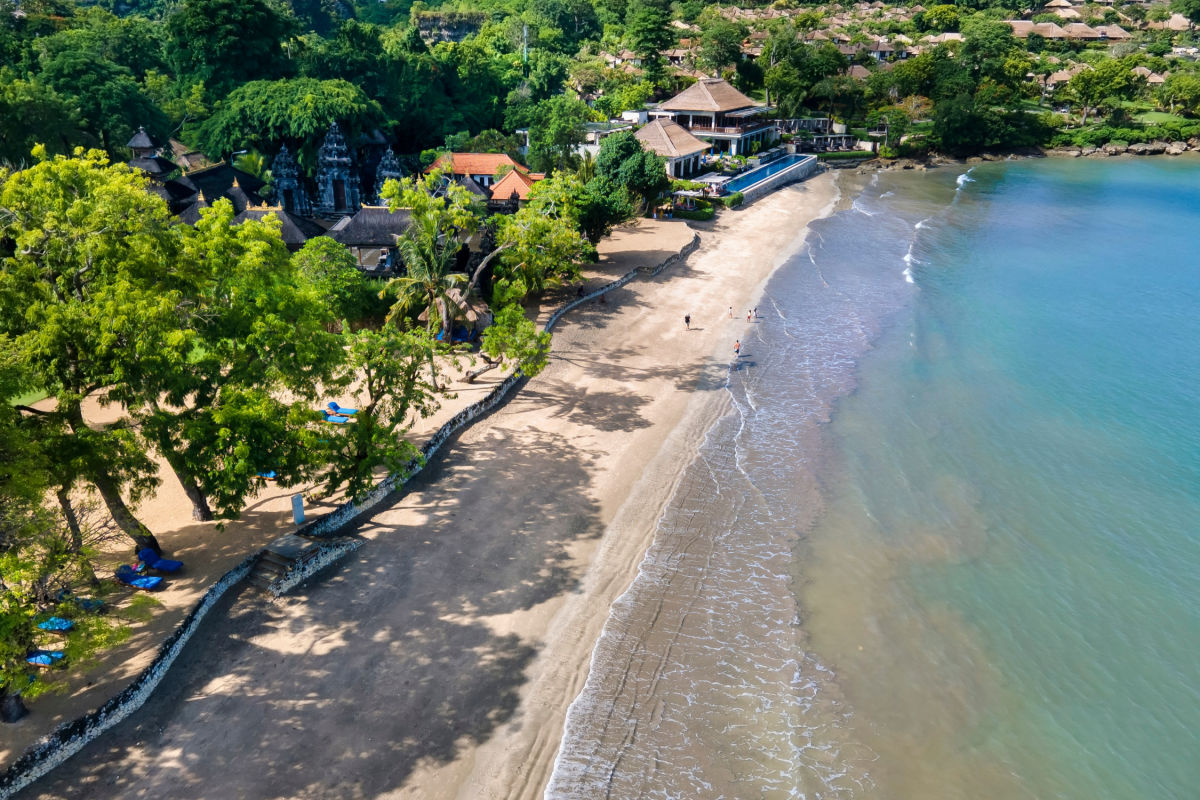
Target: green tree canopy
(298, 111)
(647, 27)
(721, 44)
(31, 114)
(106, 94)
(252, 332)
(624, 162)
(222, 43)
(88, 298)
(1110, 78)
(557, 129)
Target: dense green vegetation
(225, 76)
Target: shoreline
(524, 581)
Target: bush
(681, 185)
(851, 154)
(734, 200)
(700, 214)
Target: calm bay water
(947, 543)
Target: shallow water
(978, 579)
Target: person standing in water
(737, 349)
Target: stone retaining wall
(71, 737)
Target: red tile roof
(515, 181)
(476, 163)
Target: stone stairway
(278, 559)
(297, 557)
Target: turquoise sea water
(946, 544)
(1017, 489)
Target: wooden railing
(732, 130)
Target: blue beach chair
(342, 410)
(336, 419)
(56, 625)
(152, 560)
(128, 576)
(44, 658)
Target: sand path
(439, 659)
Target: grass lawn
(1154, 117)
(29, 398)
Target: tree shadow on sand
(379, 665)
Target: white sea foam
(857, 206)
(965, 178)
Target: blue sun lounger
(128, 576)
(334, 408)
(336, 419)
(152, 560)
(44, 658)
(56, 625)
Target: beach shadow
(613, 365)
(381, 663)
(604, 411)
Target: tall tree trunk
(110, 493)
(160, 434)
(126, 521)
(64, 502)
(12, 707)
(201, 511)
(72, 519)
(488, 366)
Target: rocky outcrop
(1121, 149)
(1147, 148)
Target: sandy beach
(439, 659)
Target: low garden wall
(71, 737)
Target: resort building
(480, 168)
(671, 140)
(713, 110)
(371, 236)
(515, 186)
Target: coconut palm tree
(428, 253)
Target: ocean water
(946, 544)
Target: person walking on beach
(737, 349)
(756, 312)
(731, 312)
(687, 321)
(747, 315)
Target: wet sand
(438, 660)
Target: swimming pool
(758, 174)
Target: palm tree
(428, 253)
(587, 167)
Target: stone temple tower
(285, 180)
(337, 182)
(389, 169)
